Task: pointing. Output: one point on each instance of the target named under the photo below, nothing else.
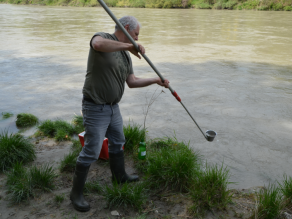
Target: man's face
(133, 33)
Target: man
(109, 67)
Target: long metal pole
(101, 2)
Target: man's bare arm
(134, 82)
(105, 45)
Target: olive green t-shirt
(106, 73)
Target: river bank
(261, 5)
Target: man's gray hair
(129, 20)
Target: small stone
(288, 216)
(156, 211)
(115, 213)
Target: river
(232, 69)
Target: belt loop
(112, 108)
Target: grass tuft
(14, 148)
(269, 203)
(286, 189)
(68, 163)
(59, 129)
(21, 181)
(78, 124)
(26, 120)
(42, 177)
(76, 146)
(126, 195)
(133, 134)
(210, 190)
(59, 198)
(6, 115)
(18, 184)
(172, 164)
(93, 187)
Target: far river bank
(261, 5)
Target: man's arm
(134, 82)
(105, 45)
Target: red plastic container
(104, 150)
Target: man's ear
(127, 27)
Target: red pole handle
(176, 96)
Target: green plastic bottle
(142, 150)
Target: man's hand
(134, 51)
(163, 84)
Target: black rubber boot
(117, 165)
(76, 195)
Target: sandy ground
(162, 205)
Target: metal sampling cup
(210, 135)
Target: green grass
(14, 148)
(6, 115)
(59, 129)
(76, 146)
(286, 189)
(210, 190)
(269, 203)
(59, 198)
(22, 182)
(203, 5)
(93, 187)
(78, 124)
(126, 195)
(133, 134)
(42, 177)
(26, 120)
(172, 164)
(68, 163)
(18, 184)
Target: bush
(277, 6)
(133, 135)
(251, 4)
(269, 205)
(230, 4)
(172, 164)
(287, 8)
(14, 148)
(126, 195)
(6, 115)
(21, 181)
(210, 190)
(203, 5)
(26, 120)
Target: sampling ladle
(210, 135)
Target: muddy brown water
(232, 69)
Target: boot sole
(126, 181)
(78, 208)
